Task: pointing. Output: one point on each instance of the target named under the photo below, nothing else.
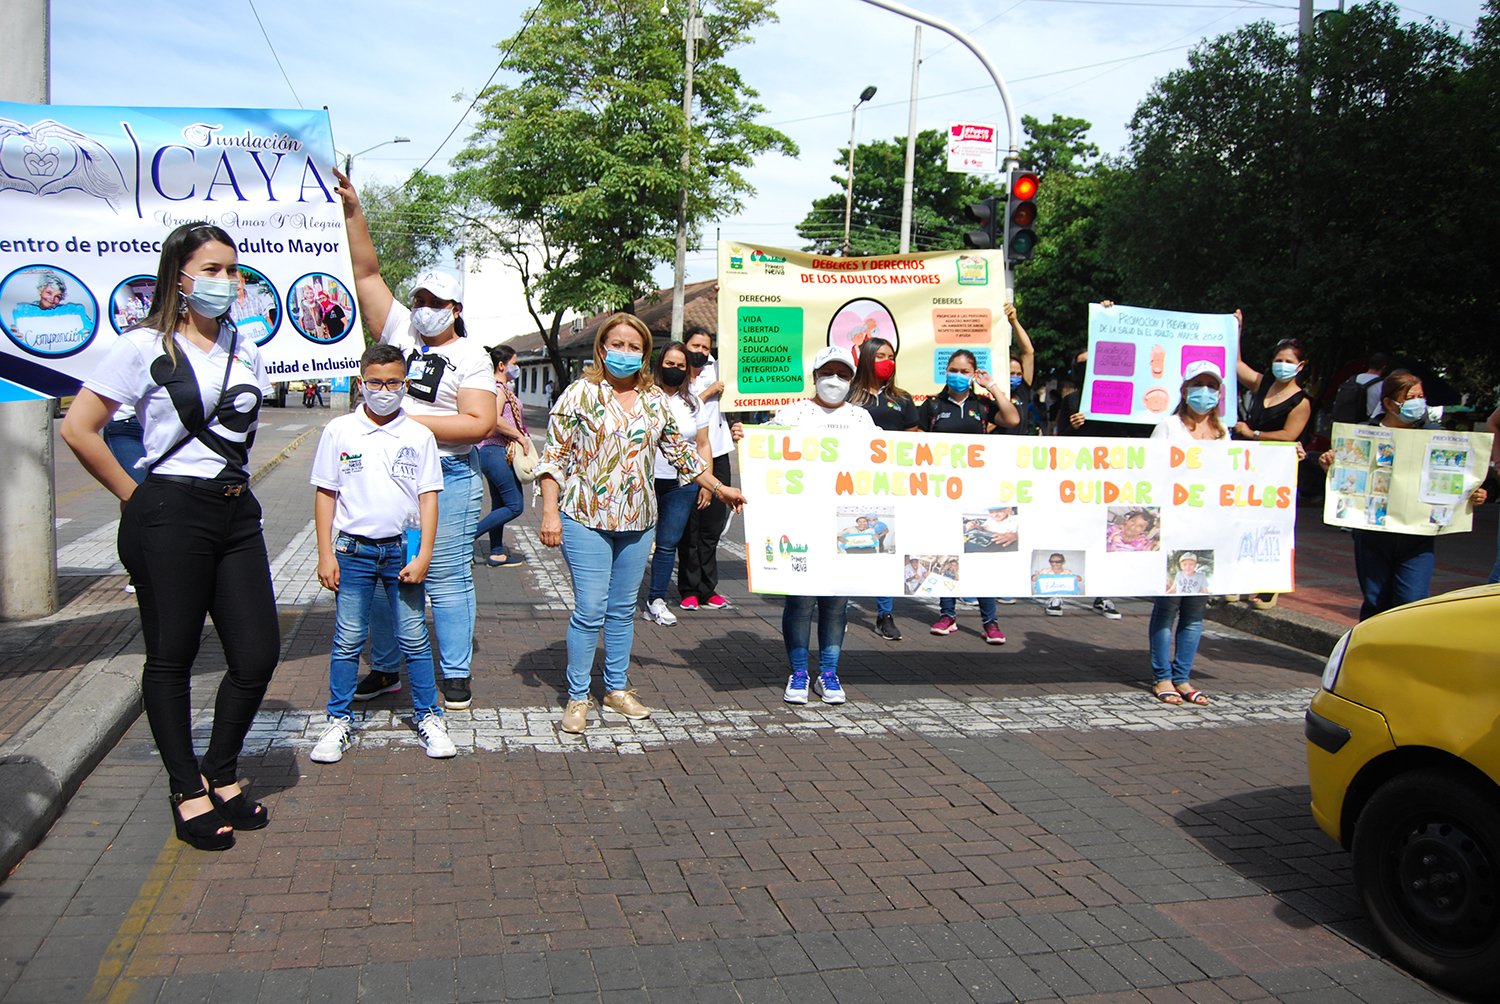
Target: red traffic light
(1023, 186)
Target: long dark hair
(683, 392)
(500, 355)
(167, 304)
(866, 383)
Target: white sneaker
(338, 737)
(434, 734)
(796, 689)
(1054, 607)
(1107, 608)
(827, 686)
(658, 611)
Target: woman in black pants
(190, 534)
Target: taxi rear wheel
(1426, 857)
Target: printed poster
(777, 308)
(842, 513)
(1404, 480)
(88, 193)
(1137, 357)
(972, 147)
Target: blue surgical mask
(622, 364)
(1283, 371)
(1202, 399)
(1015, 381)
(1414, 409)
(513, 372)
(211, 297)
(958, 383)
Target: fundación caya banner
(777, 308)
(88, 193)
(1414, 481)
(1137, 357)
(838, 513)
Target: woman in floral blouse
(599, 504)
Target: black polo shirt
(941, 414)
(892, 413)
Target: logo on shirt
(406, 464)
(351, 463)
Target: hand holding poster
(1415, 481)
(1137, 358)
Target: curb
(1304, 632)
(44, 764)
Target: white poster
(972, 147)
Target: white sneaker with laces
(1108, 609)
(796, 689)
(338, 737)
(658, 611)
(434, 734)
(1054, 607)
(827, 686)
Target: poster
(1404, 480)
(843, 513)
(1137, 357)
(88, 193)
(777, 308)
(971, 147)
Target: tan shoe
(576, 715)
(1263, 601)
(624, 702)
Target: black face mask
(673, 378)
(697, 359)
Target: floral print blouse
(602, 456)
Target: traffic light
(1020, 215)
(987, 213)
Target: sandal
(497, 558)
(202, 831)
(1192, 696)
(239, 811)
(1168, 696)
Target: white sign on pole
(972, 147)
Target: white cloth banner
(905, 513)
(88, 193)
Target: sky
(387, 68)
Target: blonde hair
(594, 371)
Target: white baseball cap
(833, 354)
(1190, 556)
(441, 284)
(1198, 367)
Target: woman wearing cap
(599, 504)
(1394, 567)
(1196, 418)
(451, 390)
(833, 374)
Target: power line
(274, 56)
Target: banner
(777, 308)
(87, 194)
(1404, 480)
(1137, 357)
(914, 514)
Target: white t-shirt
(465, 366)
(1173, 431)
(170, 401)
(720, 442)
(687, 420)
(377, 470)
(809, 412)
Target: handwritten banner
(777, 308)
(1137, 358)
(892, 514)
(88, 194)
(1414, 481)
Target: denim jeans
(948, 607)
(1495, 572)
(1187, 611)
(125, 439)
(367, 577)
(450, 577)
(606, 566)
(796, 630)
(507, 497)
(884, 605)
(1393, 568)
(674, 504)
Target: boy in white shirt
(373, 467)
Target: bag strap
(199, 433)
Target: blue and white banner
(88, 193)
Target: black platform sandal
(239, 811)
(202, 831)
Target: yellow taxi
(1403, 757)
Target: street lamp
(349, 157)
(864, 95)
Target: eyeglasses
(385, 384)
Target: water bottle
(412, 527)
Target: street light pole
(349, 157)
(691, 31)
(864, 95)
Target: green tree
(410, 224)
(1058, 147)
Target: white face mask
(384, 402)
(832, 389)
(513, 372)
(429, 322)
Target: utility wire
(274, 56)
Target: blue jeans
(796, 630)
(367, 578)
(450, 577)
(884, 605)
(948, 607)
(125, 441)
(1495, 572)
(1393, 568)
(674, 504)
(606, 566)
(1187, 611)
(507, 497)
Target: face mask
(697, 359)
(672, 377)
(1015, 381)
(513, 371)
(885, 369)
(211, 297)
(384, 402)
(1283, 371)
(1202, 399)
(622, 364)
(1414, 409)
(429, 322)
(958, 383)
(832, 389)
